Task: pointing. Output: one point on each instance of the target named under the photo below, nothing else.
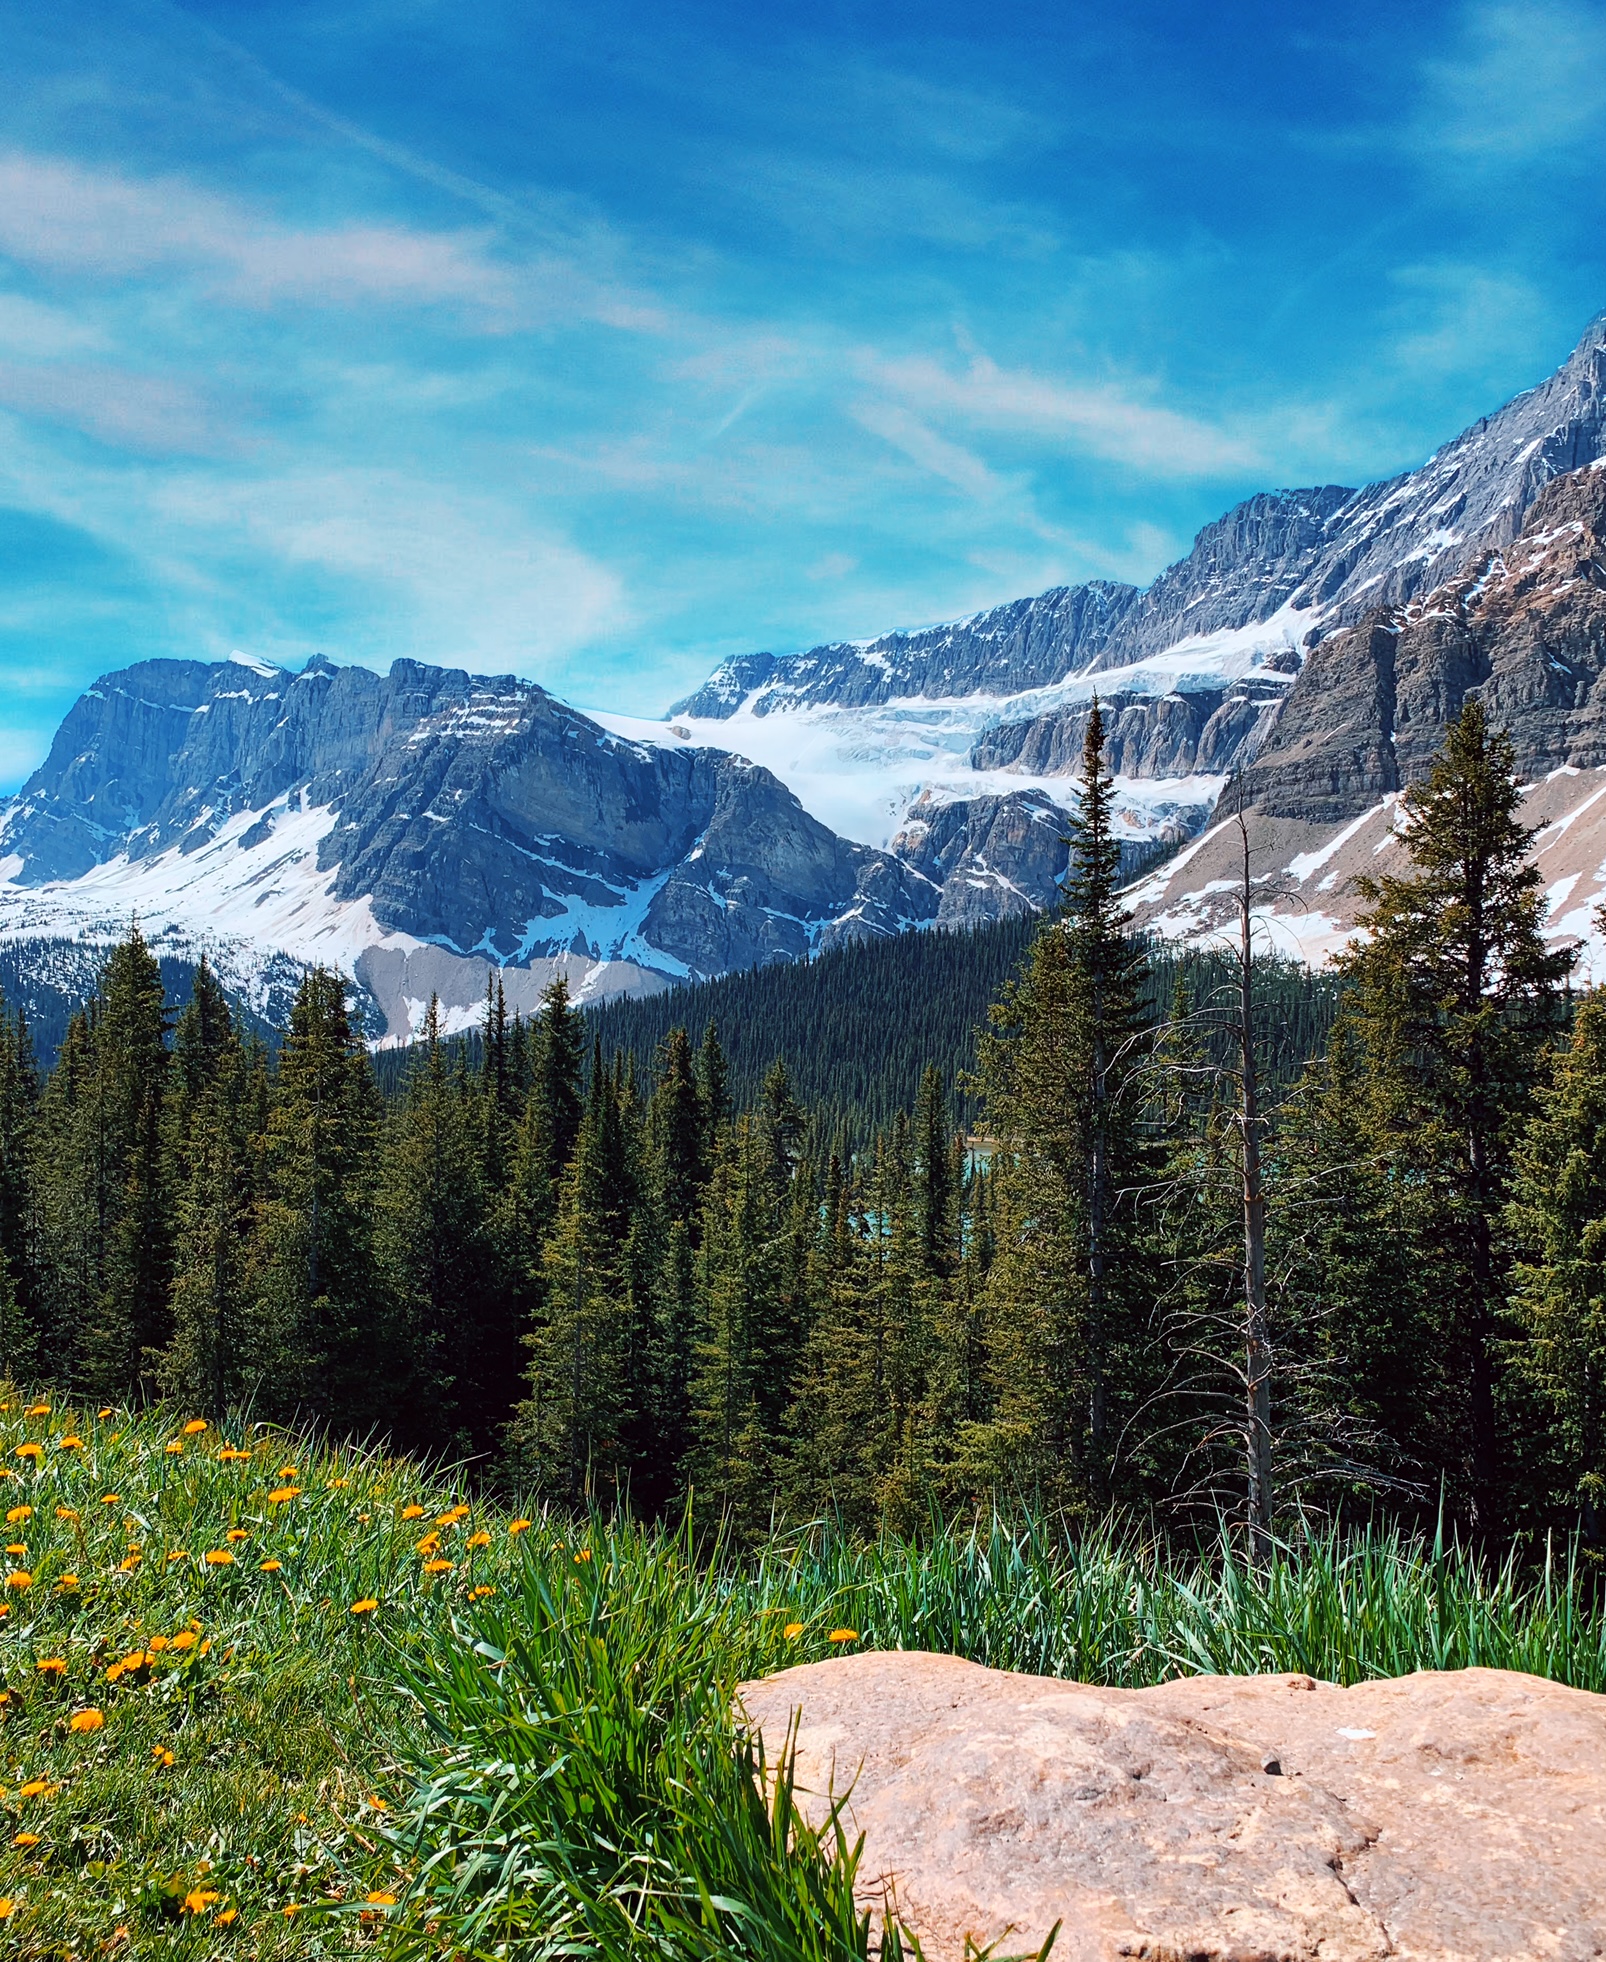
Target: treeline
(858, 1027)
(1172, 1266)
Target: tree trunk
(1257, 1338)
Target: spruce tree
(1056, 1073)
(20, 1346)
(217, 1355)
(1557, 1218)
(330, 1353)
(1454, 965)
(577, 1433)
(437, 1257)
(102, 1202)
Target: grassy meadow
(265, 1697)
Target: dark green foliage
(668, 1274)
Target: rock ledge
(1212, 1819)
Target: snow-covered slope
(1192, 670)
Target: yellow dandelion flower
(66, 1584)
(222, 1920)
(517, 1526)
(236, 1534)
(87, 1720)
(111, 1498)
(20, 1580)
(792, 1630)
(195, 1427)
(479, 1539)
(377, 1802)
(412, 1512)
(199, 1899)
(229, 1456)
(30, 1451)
(185, 1639)
(37, 1410)
(37, 1788)
(65, 1512)
(281, 1494)
(843, 1635)
(364, 1607)
(161, 1755)
(127, 1566)
(18, 1512)
(16, 1550)
(8, 1907)
(381, 1900)
(289, 1471)
(583, 1555)
(52, 1665)
(479, 1593)
(429, 1543)
(105, 1412)
(220, 1556)
(268, 1566)
(25, 1839)
(291, 1908)
(178, 1554)
(337, 1484)
(69, 1443)
(437, 1566)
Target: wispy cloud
(1527, 82)
(1102, 419)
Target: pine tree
(1557, 1217)
(330, 1347)
(578, 1431)
(101, 1197)
(1454, 962)
(437, 1256)
(1056, 1072)
(19, 1100)
(216, 1355)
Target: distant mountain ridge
(1328, 552)
(422, 828)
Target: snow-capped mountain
(1192, 670)
(416, 830)
(422, 828)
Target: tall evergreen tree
(1454, 967)
(19, 1100)
(1056, 1072)
(312, 1261)
(217, 1354)
(437, 1254)
(1557, 1217)
(102, 1201)
(578, 1430)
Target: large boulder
(1245, 1819)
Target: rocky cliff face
(1000, 652)
(1273, 575)
(431, 808)
(1523, 626)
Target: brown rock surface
(1448, 1816)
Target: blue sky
(598, 342)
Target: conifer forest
(1178, 1237)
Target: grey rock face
(1024, 644)
(991, 857)
(1524, 627)
(1210, 732)
(1330, 554)
(476, 813)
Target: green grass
(530, 1750)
